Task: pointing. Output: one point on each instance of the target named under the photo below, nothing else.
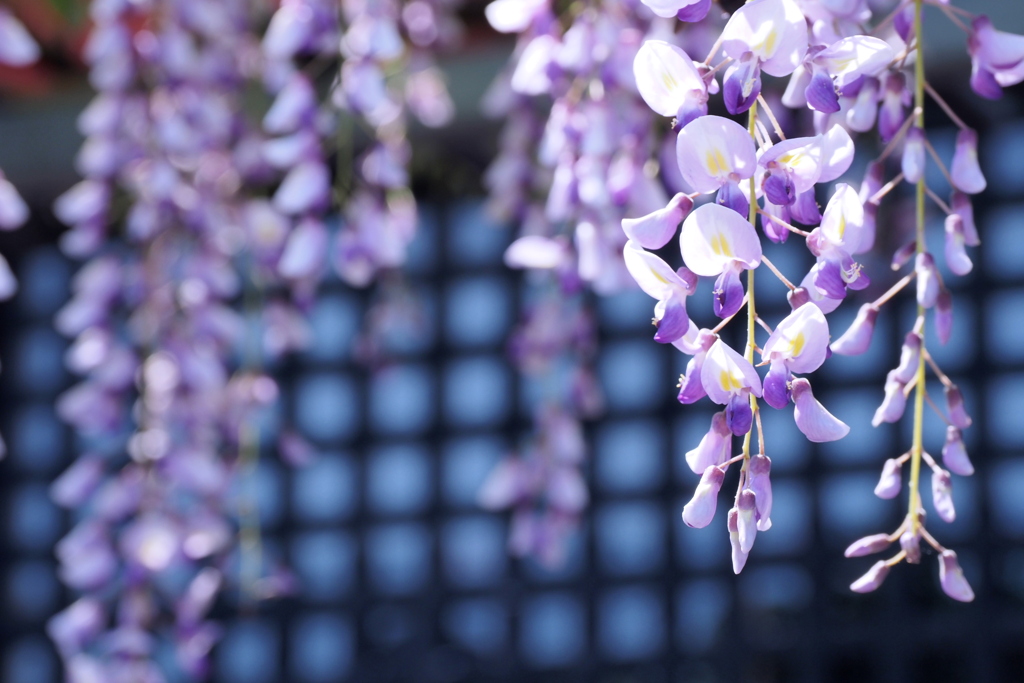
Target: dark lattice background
(405, 579)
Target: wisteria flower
(794, 166)
(816, 423)
(684, 10)
(669, 82)
(729, 380)
(713, 151)
(669, 287)
(718, 242)
(798, 344)
(835, 242)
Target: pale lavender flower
(869, 545)
(872, 579)
(943, 315)
(816, 423)
(912, 163)
(857, 338)
(17, 48)
(928, 283)
(942, 495)
(910, 356)
(716, 241)
(951, 578)
(965, 170)
(955, 407)
(729, 379)
(799, 344)
(890, 483)
(894, 403)
(669, 82)
(759, 482)
(954, 453)
(684, 10)
(739, 556)
(956, 253)
(714, 447)
(713, 151)
(656, 229)
(699, 512)
(910, 544)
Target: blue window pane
(322, 648)
(1005, 483)
(1003, 149)
(473, 237)
(398, 558)
(391, 625)
(335, 321)
(701, 608)
(476, 392)
(629, 456)
(791, 516)
(326, 406)
(473, 551)
(478, 311)
(325, 562)
(327, 489)
(628, 310)
(479, 625)
(44, 277)
(1004, 233)
(32, 590)
(38, 363)
(632, 374)
(249, 653)
(1004, 326)
(30, 660)
(784, 586)
(1005, 397)
(856, 407)
(401, 399)
(36, 438)
(552, 630)
(631, 623)
(399, 479)
(422, 255)
(467, 463)
(849, 507)
(705, 548)
(630, 537)
(35, 522)
(269, 487)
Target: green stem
(751, 307)
(919, 390)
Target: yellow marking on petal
(842, 224)
(720, 245)
(796, 345)
(658, 276)
(669, 80)
(730, 382)
(767, 46)
(715, 162)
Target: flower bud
(944, 315)
(713, 449)
(910, 358)
(812, 419)
(913, 155)
(956, 255)
(892, 114)
(942, 495)
(965, 170)
(746, 524)
(927, 280)
(739, 556)
(890, 483)
(902, 255)
(894, 402)
(760, 483)
(911, 545)
(952, 579)
(857, 338)
(961, 205)
(869, 545)
(872, 579)
(699, 512)
(798, 297)
(954, 453)
(955, 406)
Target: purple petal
(942, 495)
(307, 187)
(894, 403)
(17, 48)
(739, 556)
(746, 522)
(855, 57)
(728, 293)
(694, 10)
(816, 423)
(965, 170)
(778, 187)
(738, 414)
(742, 84)
(983, 82)
(872, 579)
(748, 26)
(712, 151)
(77, 483)
(714, 446)
(891, 481)
(774, 230)
(911, 546)
(691, 389)
(715, 239)
(955, 407)
(667, 78)
(800, 339)
(944, 316)
(954, 453)
(13, 209)
(732, 196)
(805, 209)
(869, 545)
(760, 483)
(655, 230)
(956, 253)
(674, 321)
(892, 113)
(910, 358)
(913, 160)
(951, 578)
(726, 373)
(777, 392)
(828, 278)
(305, 252)
(699, 512)
(821, 93)
(927, 280)
(857, 339)
(961, 205)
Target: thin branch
(943, 377)
(899, 134)
(886, 189)
(771, 117)
(893, 291)
(938, 411)
(939, 162)
(778, 273)
(944, 106)
(938, 200)
(787, 226)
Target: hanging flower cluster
(852, 83)
(578, 154)
(17, 49)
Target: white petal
(725, 373)
(665, 76)
(713, 237)
(801, 338)
(535, 251)
(654, 276)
